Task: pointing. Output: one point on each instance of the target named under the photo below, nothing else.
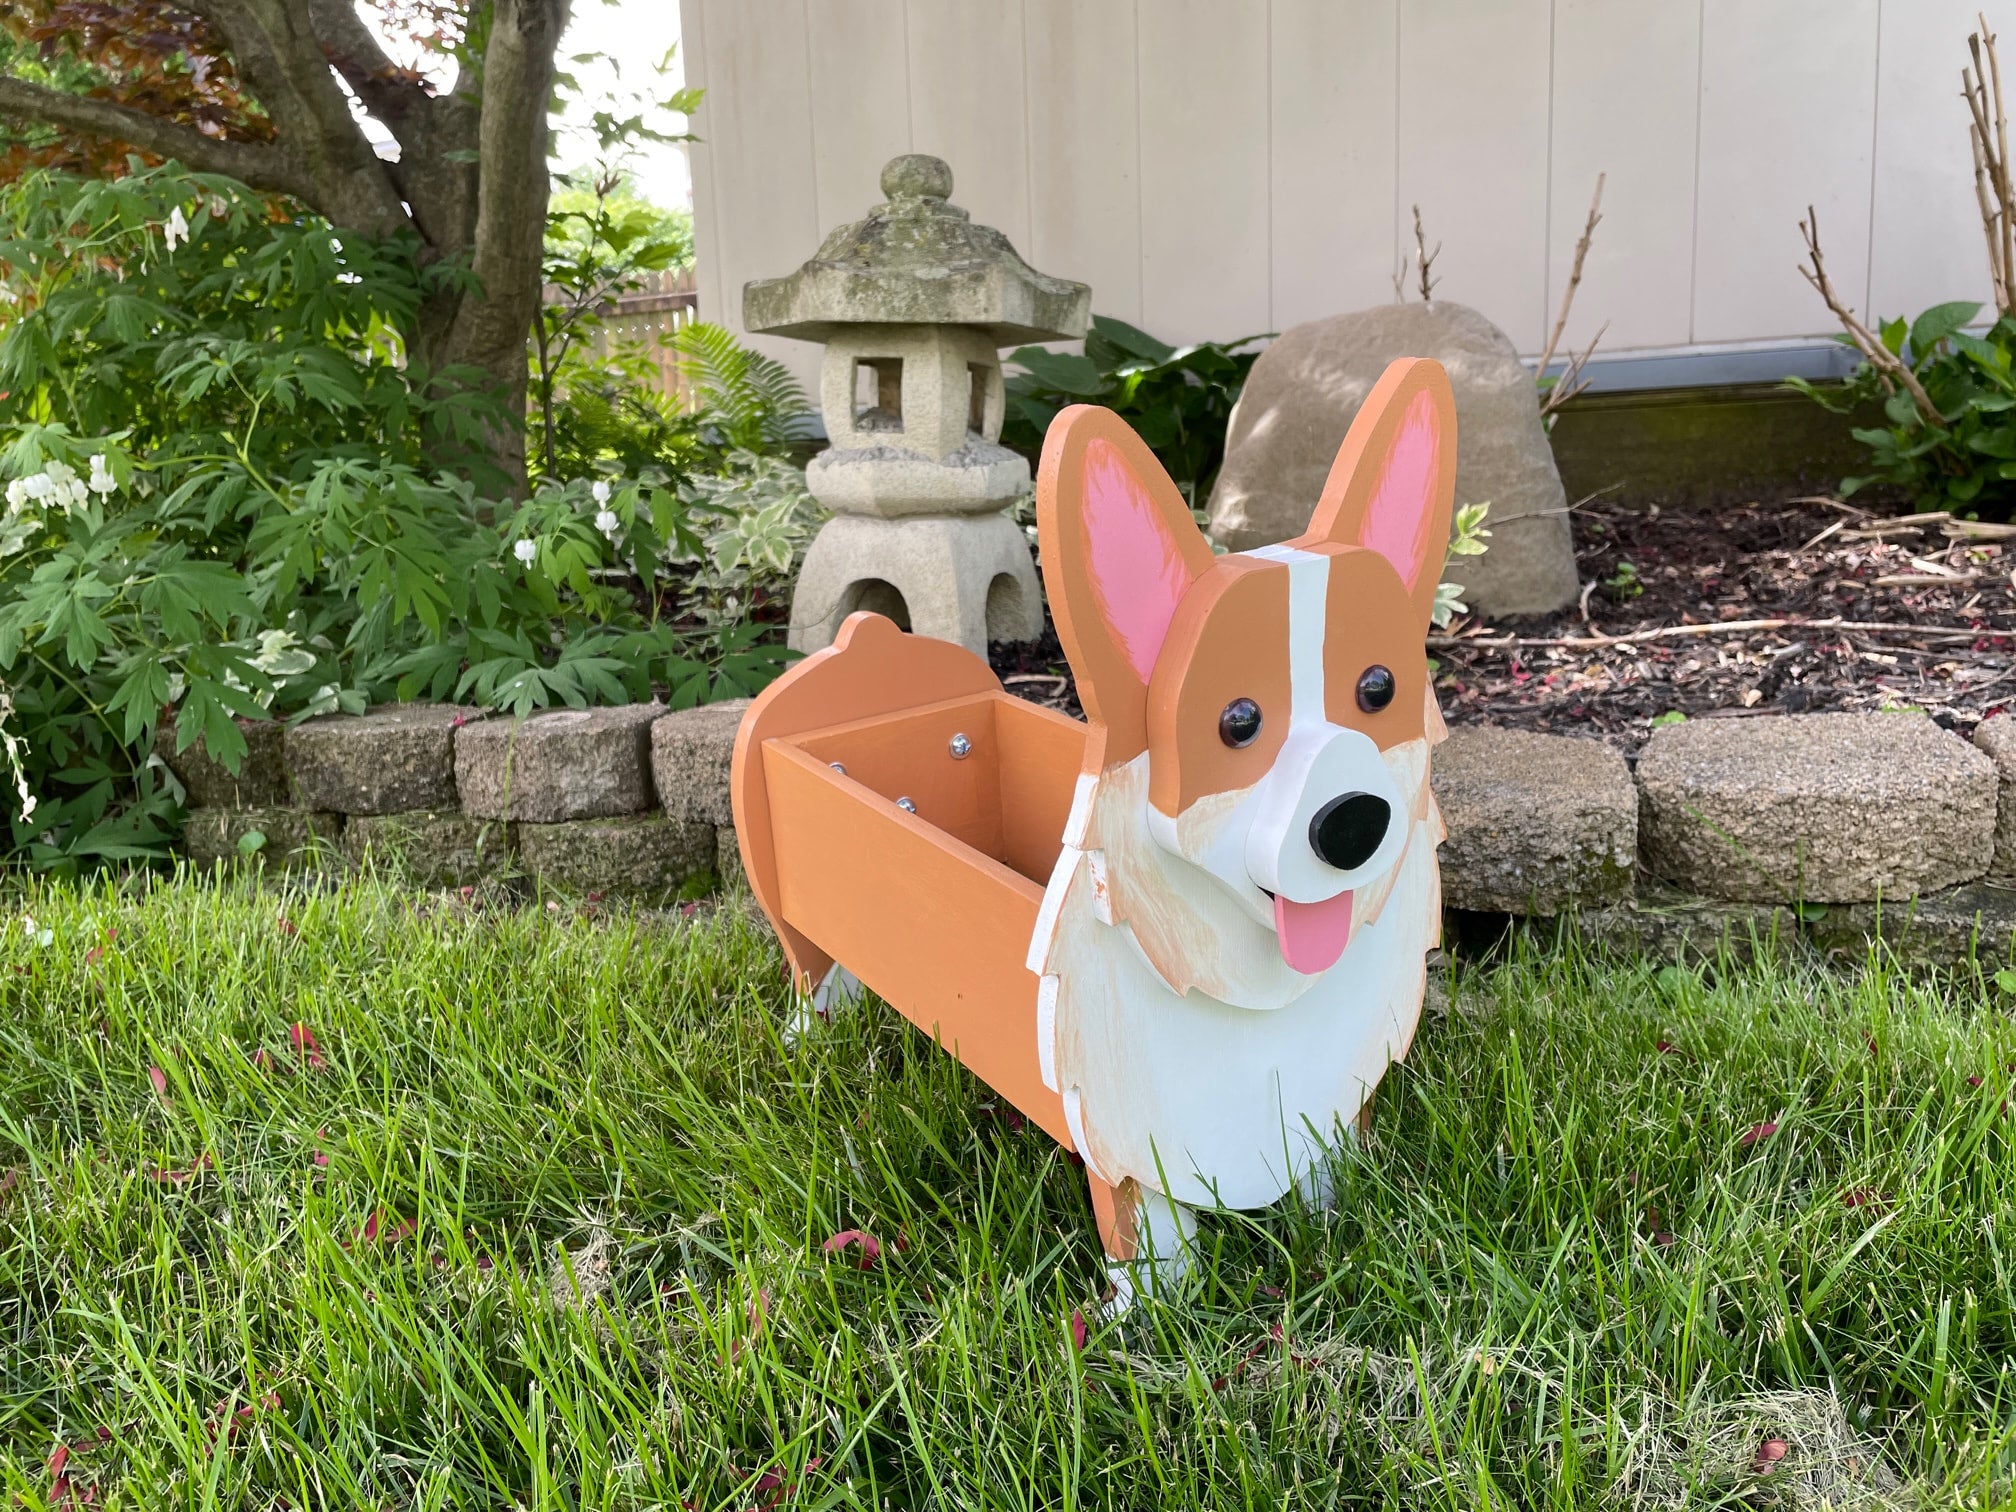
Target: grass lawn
(531, 1213)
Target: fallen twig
(1816, 540)
(1724, 627)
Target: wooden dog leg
(1148, 1239)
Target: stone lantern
(913, 305)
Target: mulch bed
(1858, 611)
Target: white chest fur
(1186, 1094)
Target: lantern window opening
(878, 394)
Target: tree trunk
(471, 177)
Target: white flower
(60, 484)
(17, 494)
(601, 490)
(36, 935)
(525, 551)
(178, 229)
(102, 481)
(607, 523)
(38, 486)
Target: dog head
(1279, 696)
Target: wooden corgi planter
(1187, 936)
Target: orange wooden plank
(909, 755)
(871, 668)
(942, 935)
(1041, 754)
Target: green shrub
(1179, 399)
(1964, 459)
(594, 400)
(219, 504)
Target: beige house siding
(1216, 168)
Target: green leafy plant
(1179, 399)
(1949, 436)
(1468, 538)
(219, 505)
(1946, 395)
(748, 403)
(752, 522)
(593, 397)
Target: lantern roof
(918, 260)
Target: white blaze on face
(1268, 842)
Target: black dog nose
(1346, 831)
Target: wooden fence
(648, 317)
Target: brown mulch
(1877, 612)
(1864, 612)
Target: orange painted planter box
(1187, 936)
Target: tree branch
(1891, 368)
(1567, 388)
(259, 164)
(388, 91)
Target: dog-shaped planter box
(1187, 936)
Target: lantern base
(967, 579)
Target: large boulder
(1303, 394)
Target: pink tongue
(1313, 935)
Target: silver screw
(961, 748)
(906, 805)
(837, 767)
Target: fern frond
(752, 400)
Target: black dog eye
(1375, 689)
(1239, 725)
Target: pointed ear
(1393, 485)
(1119, 552)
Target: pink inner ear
(1137, 571)
(1397, 519)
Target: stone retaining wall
(627, 801)
(1822, 828)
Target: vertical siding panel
(1926, 244)
(1204, 177)
(1788, 100)
(969, 105)
(700, 164)
(1626, 94)
(757, 121)
(860, 75)
(1084, 147)
(1473, 152)
(1331, 166)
